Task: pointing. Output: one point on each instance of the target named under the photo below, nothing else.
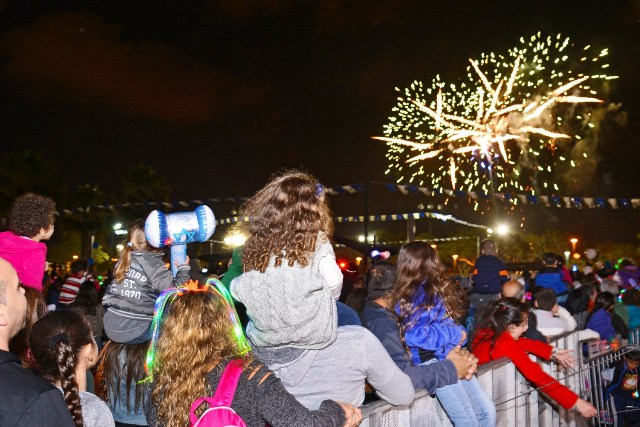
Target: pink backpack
(220, 413)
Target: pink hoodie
(26, 256)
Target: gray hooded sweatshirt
(338, 372)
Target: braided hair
(56, 342)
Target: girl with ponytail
(64, 349)
(499, 334)
(140, 276)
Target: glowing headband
(167, 297)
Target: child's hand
(464, 337)
(186, 262)
(565, 358)
(585, 408)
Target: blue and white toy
(177, 229)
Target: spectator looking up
(64, 349)
(577, 304)
(383, 322)
(197, 332)
(140, 276)
(551, 277)
(72, 284)
(289, 265)
(89, 307)
(31, 220)
(489, 273)
(600, 320)
(27, 399)
(428, 304)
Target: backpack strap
(228, 383)
(225, 391)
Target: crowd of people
(276, 341)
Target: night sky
(218, 95)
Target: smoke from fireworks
(510, 122)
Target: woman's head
(506, 315)
(604, 300)
(136, 241)
(380, 280)
(197, 332)
(577, 301)
(286, 216)
(32, 216)
(419, 269)
(61, 343)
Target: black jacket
(27, 399)
(384, 325)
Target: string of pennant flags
(568, 202)
(373, 218)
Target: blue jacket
(489, 274)
(600, 322)
(384, 325)
(551, 278)
(433, 330)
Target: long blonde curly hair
(286, 217)
(196, 336)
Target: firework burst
(507, 126)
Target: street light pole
(573, 241)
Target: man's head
(79, 266)
(488, 247)
(512, 289)
(546, 299)
(549, 259)
(13, 304)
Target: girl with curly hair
(30, 222)
(195, 338)
(64, 349)
(428, 305)
(499, 335)
(289, 265)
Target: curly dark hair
(56, 341)
(287, 216)
(30, 213)
(419, 267)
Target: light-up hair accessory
(167, 297)
(238, 333)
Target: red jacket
(517, 351)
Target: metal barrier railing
(517, 403)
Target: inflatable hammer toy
(177, 229)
